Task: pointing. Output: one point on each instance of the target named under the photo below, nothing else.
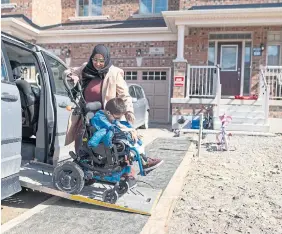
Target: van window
(139, 92)
(23, 64)
(4, 73)
(132, 92)
(57, 69)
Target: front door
(230, 57)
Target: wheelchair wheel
(68, 177)
(110, 196)
(123, 187)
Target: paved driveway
(73, 217)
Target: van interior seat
(30, 101)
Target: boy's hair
(116, 106)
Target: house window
(57, 70)
(273, 55)
(90, 7)
(152, 6)
(154, 75)
(211, 54)
(247, 68)
(130, 75)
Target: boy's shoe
(152, 163)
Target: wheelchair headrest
(16, 69)
(93, 106)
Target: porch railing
(203, 81)
(264, 93)
(273, 77)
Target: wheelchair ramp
(138, 200)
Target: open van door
(11, 130)
(56, 69)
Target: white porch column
(180, 43)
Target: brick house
(184, 53)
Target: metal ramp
(140, 200)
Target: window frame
(129, 74)
(280, 53)
(89, 7)
(153, 8)
(3, 62)
(51, 75)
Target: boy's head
(116, 107)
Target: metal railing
(202, 81)
(273, 77)
(264, 93)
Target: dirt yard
(233, 192)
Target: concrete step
(243, 114)
(240, 102)
(244, 120)
(247, 108)
(244, 127)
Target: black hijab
(90, 72)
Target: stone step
(247, 108)
(240, 102)
(255, 120)
(243, 114)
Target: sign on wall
(156, 50)
(179, 81)
(257, 51)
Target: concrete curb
(158, 222)
(238, 133)
(26, 215)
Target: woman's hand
(130, 117)
(134, 136)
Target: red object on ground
(253, 97)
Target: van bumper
(10, 185)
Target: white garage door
(156, 86)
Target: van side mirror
(134, 99)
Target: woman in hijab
(101, 81)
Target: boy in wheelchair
(109, 128)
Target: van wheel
(68, 177)
(146, 122)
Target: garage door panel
(149, 89)
(160, 115)
(160, 102)
(155, 84)
(161, 89)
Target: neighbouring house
(185, 54)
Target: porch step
(240, 102)
(247, 108)
(245, 117)
(244, 127)
(243, 114)
(248, 120)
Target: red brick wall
(68, 9)
(186, 4)
(123, 54)
(116, 9)
(196, 46)
(23, 7)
